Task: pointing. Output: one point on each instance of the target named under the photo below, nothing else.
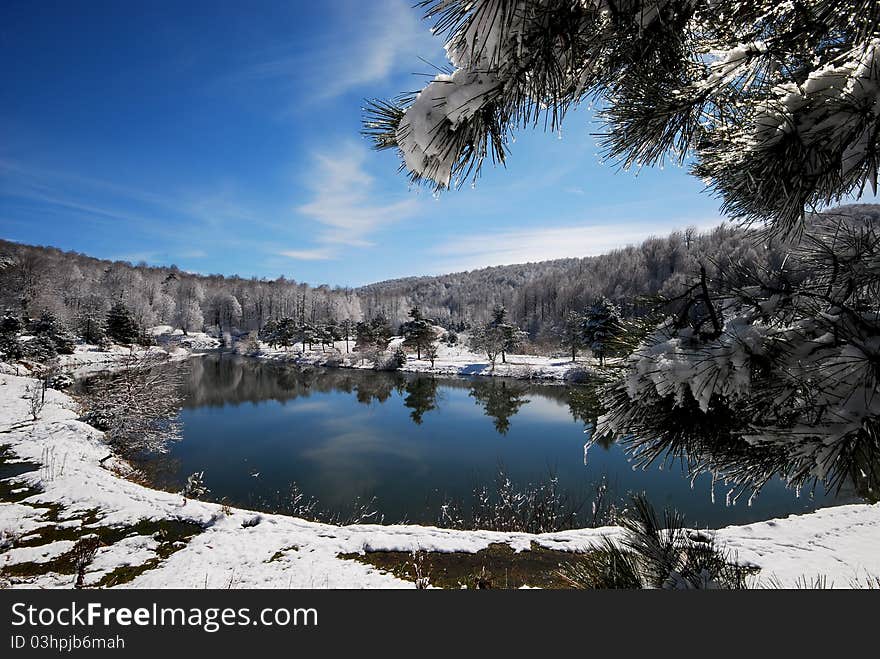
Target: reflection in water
(500, 400)
(227, 379)
(584, 404)
(411, 440)
(421, 397)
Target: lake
(412, 441)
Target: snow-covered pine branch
(790, 385)
(778, 103)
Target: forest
(79, 291)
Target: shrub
(657, 553)
(250, 345)
(138, 406)
(535, 508)
(395, 360)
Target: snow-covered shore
(455, 360)
(87, 358)
(69, 489)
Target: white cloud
(367, 44)
(343, 204)
(193, 254)
(316, 254)
(383, 43)
(523, 246)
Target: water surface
(411, 441)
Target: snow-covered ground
(450, 360)
(88, 358)
(240, 548)
(175, 339)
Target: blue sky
(224, 137)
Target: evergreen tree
(308, 334)
(508, 337)
(380, 332)
(90, 320)
(10, 330)
(332, 333)
(40, 348)
(777, 377)
(601, 325)
(775, 106)
(573, 336)
(269, 333)
(364, 336)
(121, 327)
(48, 327)
(417, 333)
(286, 332)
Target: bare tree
(137, 407)
(35, 394)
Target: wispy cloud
(508, 247)
(138, 257)
(316, 254)
(193, 254)
(343, 204)
(368, 46)
(187, 225)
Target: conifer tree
(381, 332)
(90, 319)
(120, 324)
(601, 324)
(10, 329)
(508, 336)
(269, 333)
(417, 333)
(573, 333)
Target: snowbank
(245, 549)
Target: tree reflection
(584, 405)
(379, 387)
(421, 397)
(499, 399)
(223, 379)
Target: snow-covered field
(71, 489)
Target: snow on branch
(790, 385)
(776, 103)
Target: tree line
(98, 300)
(78, 292)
